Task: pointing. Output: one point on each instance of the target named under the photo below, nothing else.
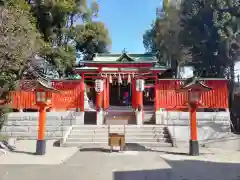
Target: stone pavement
(24, 154)
(98, 164)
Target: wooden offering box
(116, 139)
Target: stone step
(150, 136)
(118, 131)
(130, 126)
(93, 127)
(128, 139)
(129, 146)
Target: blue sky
(126, 21)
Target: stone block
(17, 128)
(55, 134)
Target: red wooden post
(139, 99)
(41, 123)
(156, 91)
(133, 93)
(105, 95)
(193, 122)
(108, 95)
(99, 100)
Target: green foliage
(163, 37)
(90, 38)
(19, 41)
(62, 58)
(211, 29)
(204, 33)
(56, 22)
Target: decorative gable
(125, 58)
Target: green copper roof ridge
(129, 54)
(125, 55)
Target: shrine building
(128, 86)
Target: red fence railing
(169, 98)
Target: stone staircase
(129, 116)
(149, 117)
(144, 135)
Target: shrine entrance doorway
(120, 94)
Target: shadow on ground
(129, 147)
(24, 152)
(185, 170)
(135, 147)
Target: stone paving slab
(139, 165)
(98, 164)
(24, 154)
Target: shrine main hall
(134, 87)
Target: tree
(56, 20)
(91, 38)
(19, 41)
(163, 38)
(210, 30)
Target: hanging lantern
(98, 85)
(129, 79)
(110, 79)
(119, 79)
(140, 85)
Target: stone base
(193, 148)
(79, 118)
(100, 117)
(139, 117)
(41, 147)
(160, 117)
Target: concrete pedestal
(160, 117)
(139, 117)
(79, 118)
(193, 148)
(100, 117)
(86, 101)
(41, 147)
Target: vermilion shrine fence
(166, 89)
(169, 98)
(68, 98)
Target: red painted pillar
(193, 143)
(139, 100)
(133, 93)
(156, 92)
(99, 100)
(108, 95)
(82, 93)
(193, 122)
(105, 95)
(41, 143)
